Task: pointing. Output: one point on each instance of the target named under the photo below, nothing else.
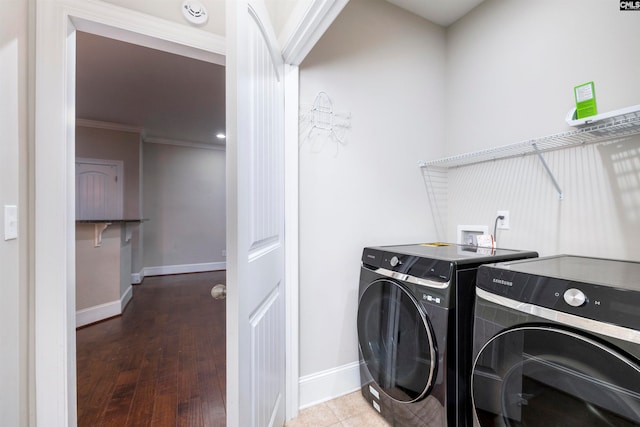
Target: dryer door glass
(396, 341)
(542, 376)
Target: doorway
(53, 239)
(162, 117)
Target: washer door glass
(543, 376)
(396, 341)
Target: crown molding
(305, 27)
(98, 124)
(179, 143)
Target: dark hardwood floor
(162, 363)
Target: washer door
(543, 376)
(396, 341)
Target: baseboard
(126, 297)
(98, 312)
(326, 385)
(183, 268)
(136, 278)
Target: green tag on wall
(585, 95)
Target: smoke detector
(195, 12)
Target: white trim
(103, 311)
(126, 298)
(291, 233)
(180, 143)
(136, 278)
(98, 124)
(98, 313)
(138, 28)
(326, 385)
(183, 268)
(52, 173)
(303, 32)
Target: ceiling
(441, 12)
(169, 97)
(175, 98)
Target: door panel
(255, 152)
(98, 190)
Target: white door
(99, 187)
(255, 156)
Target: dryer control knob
(574, 297)
(394, 261)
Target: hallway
(162, 363)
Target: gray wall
(180, 189)
(115, 145)
(386, 67)
(13, 191)
(184, 199)
(125, 146)
(98, 269)
(511, 69)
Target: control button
(574, 297)
(394, 261)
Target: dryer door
(543, 375)
(396, 341)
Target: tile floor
(350, 410)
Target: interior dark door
(546, 376)
(396, 341)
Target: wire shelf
(611, 126)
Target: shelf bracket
(546, 167)
(98, 228)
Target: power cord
(495, 229)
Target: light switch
(10, 222)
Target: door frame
(52, 174)
(53, 166)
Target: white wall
(511, 69)
(386, 67)
(184, 199)
(13, 191)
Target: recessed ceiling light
(221, 136)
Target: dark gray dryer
(414, 330)
(557, 343)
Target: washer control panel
(603, 302)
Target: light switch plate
(10, 222)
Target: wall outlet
(503, 224)
(224, 252)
